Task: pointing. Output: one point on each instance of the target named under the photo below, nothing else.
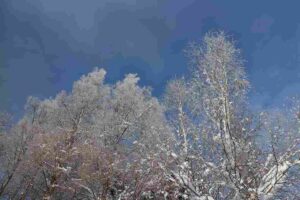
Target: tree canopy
(117, 141)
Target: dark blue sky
(47, 44)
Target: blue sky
(46, 45)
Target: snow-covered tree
(92, 140)
(228, 162)
(117, 141)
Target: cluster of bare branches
(202, 141)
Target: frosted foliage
(217, 134)
(87, 88)
(200, 141)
